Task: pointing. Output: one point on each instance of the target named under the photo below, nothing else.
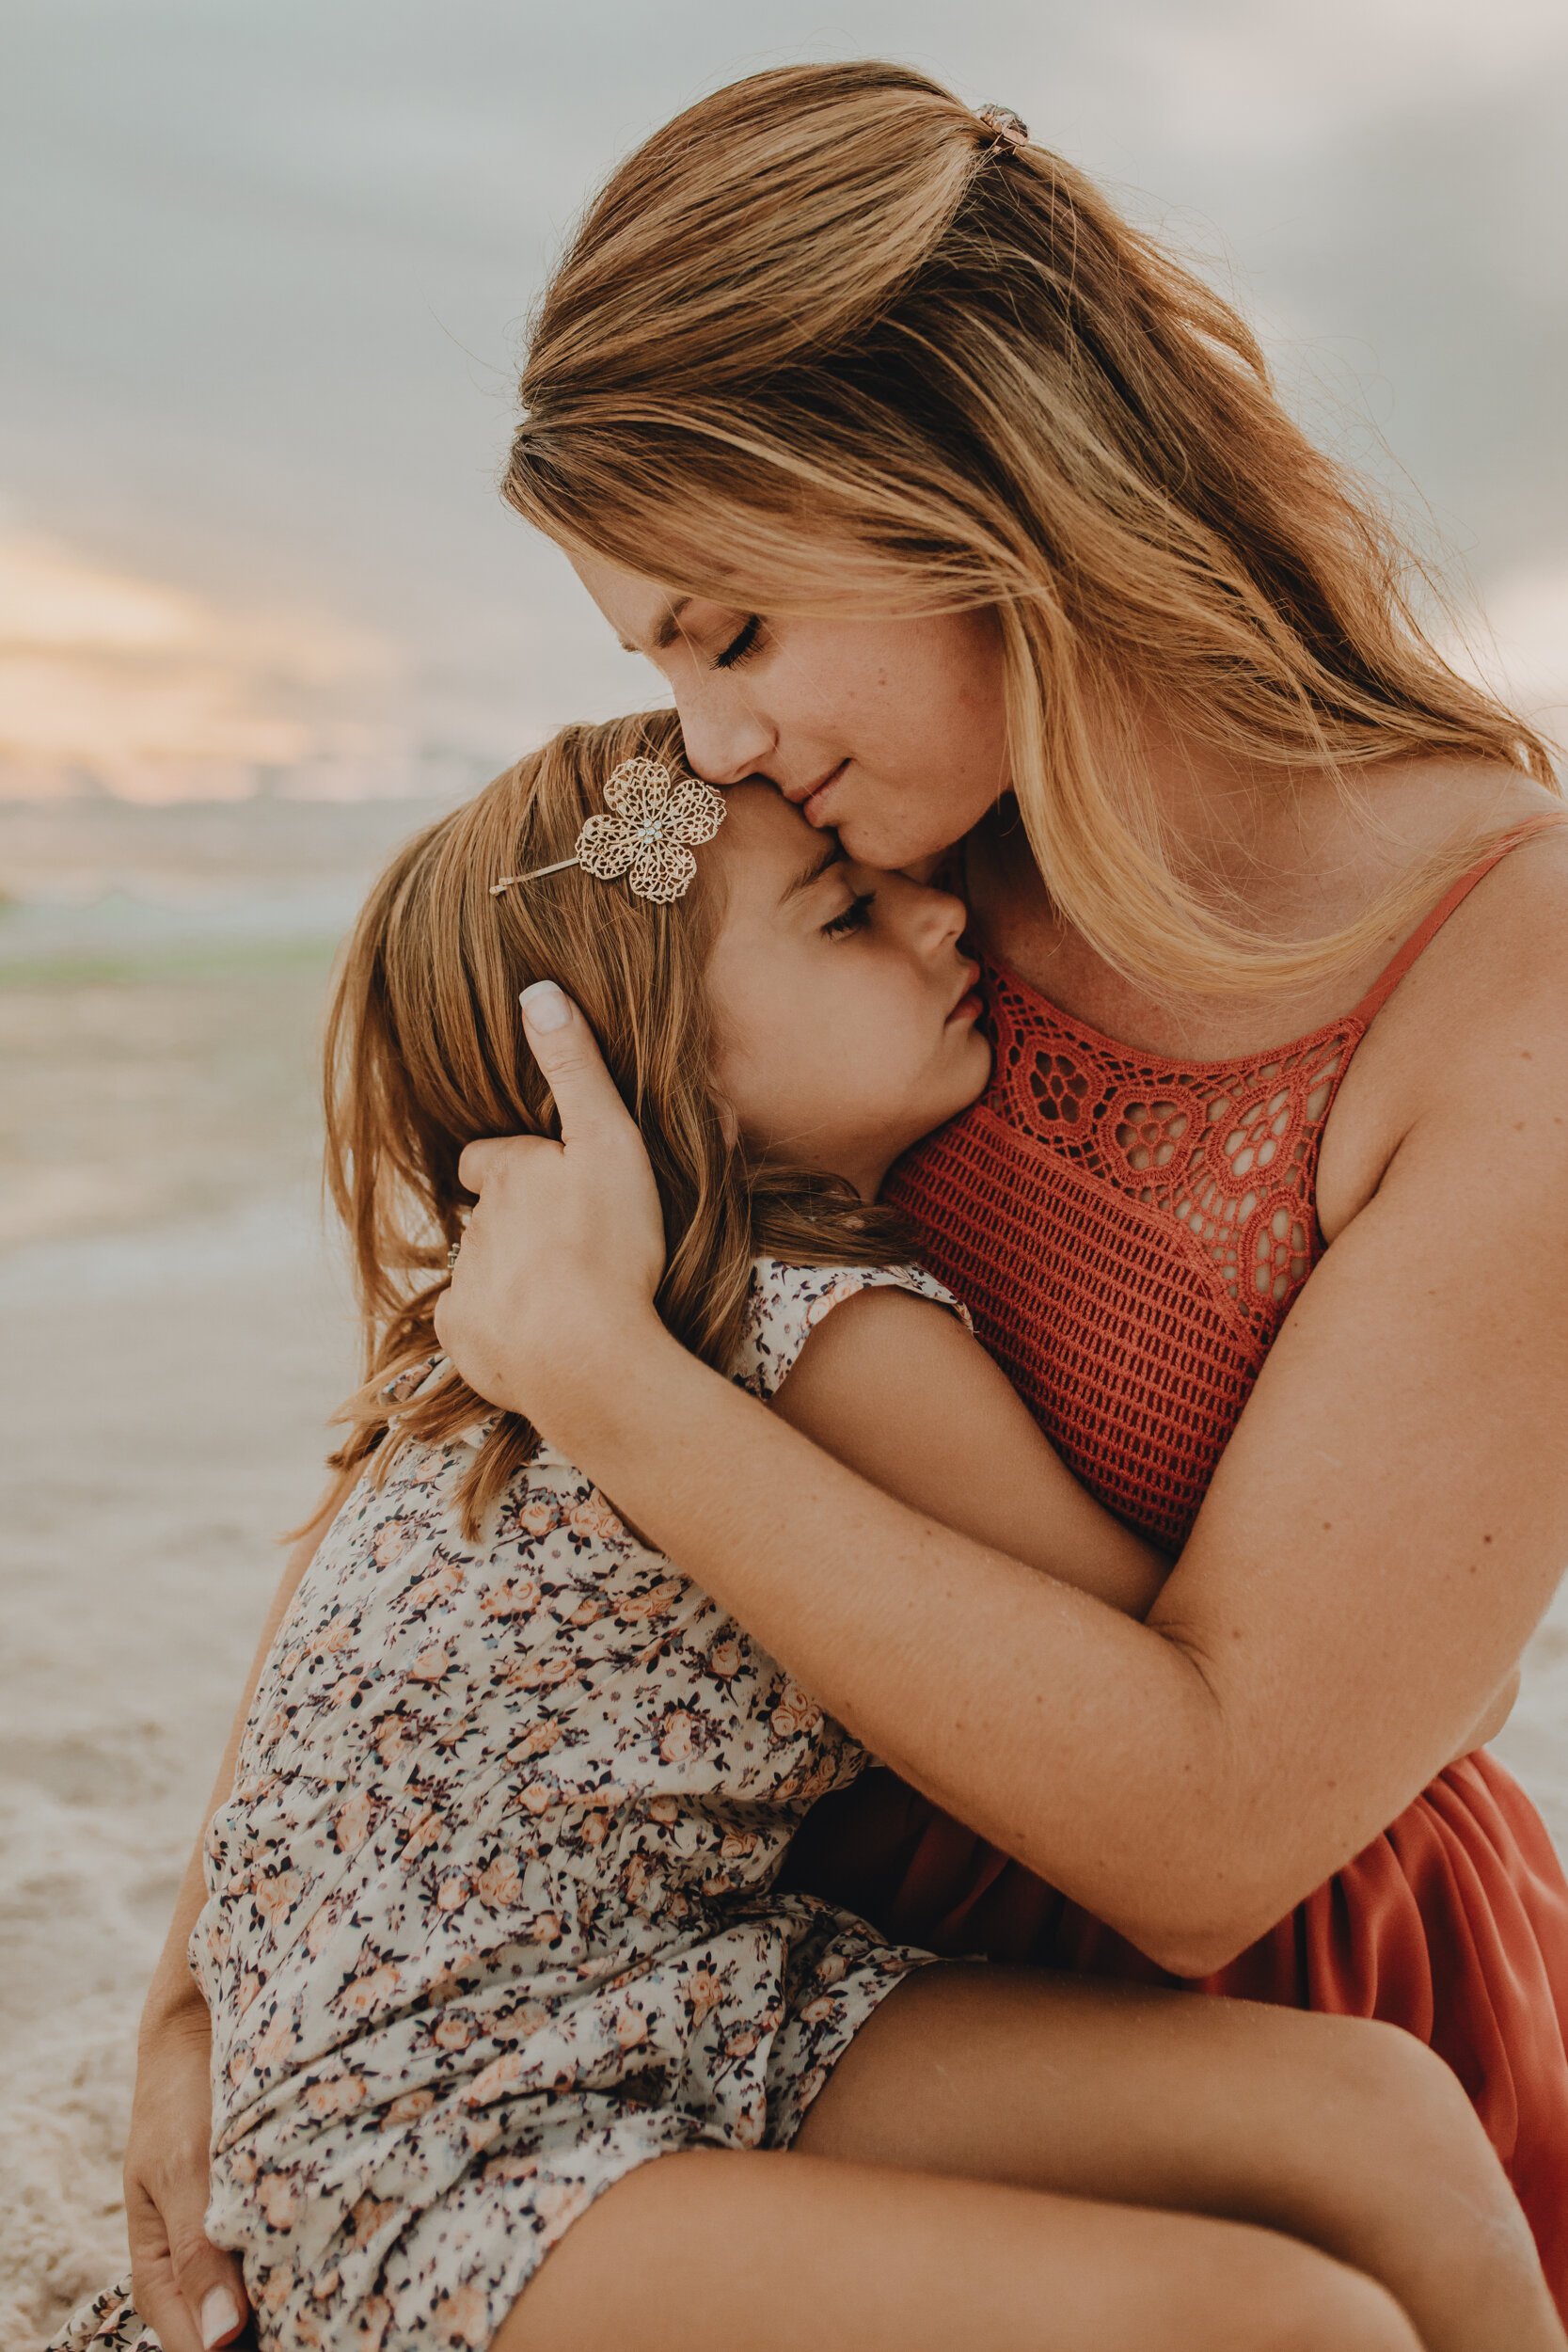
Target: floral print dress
(491, 1916)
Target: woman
(977, 523)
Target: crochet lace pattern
(1128, 1233)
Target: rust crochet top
(1129, 1232)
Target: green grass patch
(193, 961)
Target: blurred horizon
(270, 272)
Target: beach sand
(176, 1332)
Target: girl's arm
(190, 2292)
(892, 1386)
(1386, 1527)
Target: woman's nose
(726, 738)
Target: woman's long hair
(830, 344)
(425, 1052)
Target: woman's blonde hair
(829, 344)
(425, 1052)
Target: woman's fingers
(189, 2292)
(567, 1052)
(591, 1113)
(564, 1246)
(489, 1162)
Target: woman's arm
(190, 2292)
(892, 1386)
(1383, 1531)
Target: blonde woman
(981, 533)
(514, 2041)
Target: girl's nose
(946, 917)
(931, 920)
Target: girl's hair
(425, 1052)
(830, 345)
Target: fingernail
(544, 1006)
(220, 2316)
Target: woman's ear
(729, 1125)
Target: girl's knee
(1418, 2095)
(1384, 2074)
(1357, 2317)
(1311, 2303)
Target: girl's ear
(729, 1123)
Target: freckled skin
(915, 706)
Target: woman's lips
(817, 808)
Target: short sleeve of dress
(787, 1302)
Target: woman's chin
(891, 846)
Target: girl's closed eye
(740, 644)
(852, 918)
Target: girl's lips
(971, 1003)
(817, 808)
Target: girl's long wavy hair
(830, 345)
(425, 1052)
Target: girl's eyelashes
(740, 644)
(854, 917)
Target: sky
(268, 266)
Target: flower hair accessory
(656, 818)
(1010, 129)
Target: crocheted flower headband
(658, 816)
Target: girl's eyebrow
(823, 863)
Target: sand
(176, 1330)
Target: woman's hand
(191, 2294)
(564, 1247)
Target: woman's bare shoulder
(1494, 1013)
(1475, 1035)
(1498, 964)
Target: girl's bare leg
(1351, 2137)
(720, 2251)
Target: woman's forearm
(1382, 1533)
(173, 1990)
(921, 1640)
(188, 2291)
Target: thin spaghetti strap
(1427, 930)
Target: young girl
(491, 1919)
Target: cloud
(1255, 83)
(150, 691)
(271, 267)
(1519, 647)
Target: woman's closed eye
(851, 918)
(740, 644)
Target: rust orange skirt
(1453, 1924)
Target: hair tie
(1010, 129)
